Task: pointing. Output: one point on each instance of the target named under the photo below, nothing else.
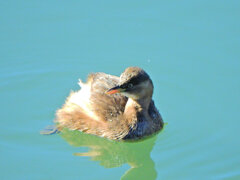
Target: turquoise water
(189, 48)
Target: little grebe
(112, 107)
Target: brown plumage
(112, 107)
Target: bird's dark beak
(114, 90)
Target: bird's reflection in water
(112, 154)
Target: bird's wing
(90, 109)
(91, 100)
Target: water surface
(189, 48)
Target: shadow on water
(112, 154)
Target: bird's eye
(130, 85)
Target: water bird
(117, 108)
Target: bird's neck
(137, 108)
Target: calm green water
(191, 49)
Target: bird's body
(114, 115)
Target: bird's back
(93, 111)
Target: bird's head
(134, 83)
